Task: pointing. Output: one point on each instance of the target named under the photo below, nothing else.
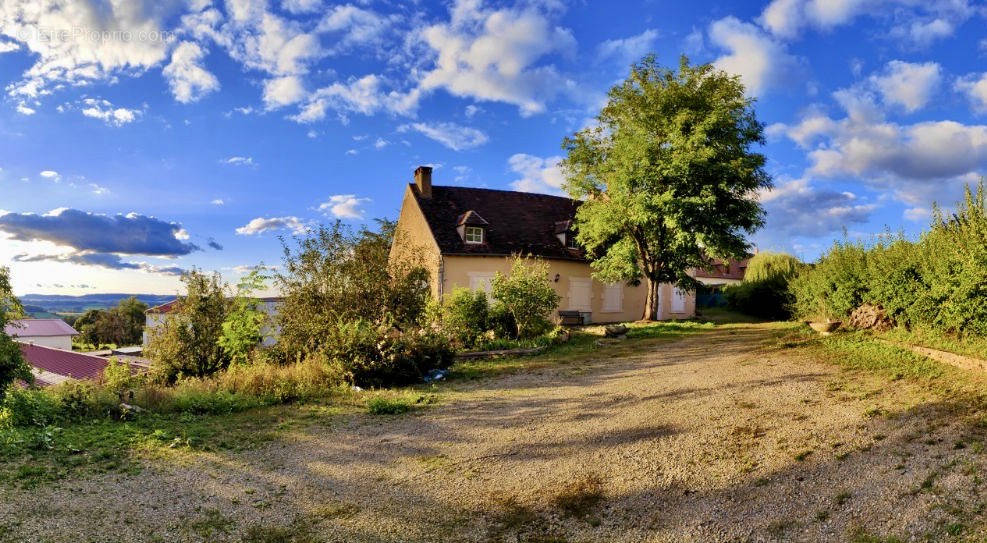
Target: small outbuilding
(53, 333)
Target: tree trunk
(651, 305)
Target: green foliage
(244, 321)
(12, 364)
(465, 315)
(381, 356)
(938, 282)
(187, 343)
(764, 292)
(382, 405)
(768, 265)
(668, 177)
(121, 325)
(527, 295)
(333, 276)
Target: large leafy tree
(12, 364)
(668, 177)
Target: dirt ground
(723, 436)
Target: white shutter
(613, 298)
(580, 291)
(678, 301)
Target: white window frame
(614, 294)
(473, 230)
(570, 241)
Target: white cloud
(301, 6)
(453, 136)
(8, 46)
(24, 109)
(798, 209)
(974, 86)
(471, 111)
(760, 61)
(261, 225)
(356, 27)
(98, 190)
(361, 95)
(218, 202)
(909, 85)
(283, 91)
(783, 17)
(926, 32)
(188, 80)
(50, 175)
(239, 161)
(628, 50)
(381, 143)
(344, 206)
(493, 54)
(537, 174)
(108, 113)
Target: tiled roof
(39, 328)
(517, 222)
(65, 363)
(720, 269)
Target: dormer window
(570, 240)
(471, 226)
(473, 235)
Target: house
(719, 274)
(156, 316)
(54, 333)
(53, 366)
(463, 235)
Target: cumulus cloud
(537, 174)
(105, 111)
(358, 95)
(50, 175)
(131, 234)
(188, 80)
(262, 224)
(974, 86)
(217, 202)
(906, 84)
(344, 206)
(494, 54)
(283, 91)
(761, 61)
(352, 27)
(452, 135)
(301, 6)
(630, 49)
(797, 208)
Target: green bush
(765, 293)
(527, 295)
(835, 285)
(379, 405)
(465, 314)
(28, 407)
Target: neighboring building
(52, 366)
(718, 275)
(723, 272)
(465, 234)
(54, 333)
(156, 316)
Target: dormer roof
(471, 218)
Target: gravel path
(722, 436)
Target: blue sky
(139, 138)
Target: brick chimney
(423, 178)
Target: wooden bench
(570, 318)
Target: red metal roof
(39, 328)
(163, 308)
(68, 363)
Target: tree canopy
(668, 176)
(12, 364)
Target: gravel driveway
(723, 436)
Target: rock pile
(870, 317)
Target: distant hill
(42, 305)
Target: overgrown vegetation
(764, 292)
(120, 325)
(12, 364)
(937, 283)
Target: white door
(678, 301)
(580, 290)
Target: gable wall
(414, 242)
